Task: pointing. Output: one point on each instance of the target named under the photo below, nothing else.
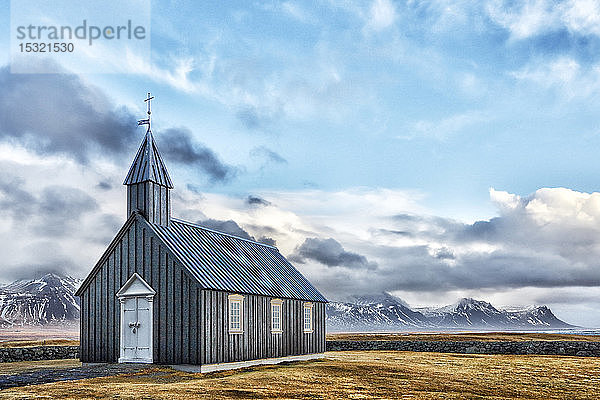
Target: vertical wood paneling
(193, 331)
(201, 324)
(177, 326)
(257, 341)
(117, 306)
(156, 318)
(185, 319)
(170, 302)
(110, 309)
(92, 344)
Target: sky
(431, 149)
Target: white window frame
(276, 304)
(308, 307)
(239, 300)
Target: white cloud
(294, 10)
(446, 127)
(565, 75)
(382, 15)
(582, 16)
(529, 18)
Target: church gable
(136, 250)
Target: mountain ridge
(387, 312)
(49, 299)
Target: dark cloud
(34, 271)
(61, 114)
(195, 189)
(177, 145)
(257, 201)
(231, 227)
(51, 212)
(268, 155)
(548, 240)
(444, 253)
(267, 240)
(331, 253)
(16, 201)
(104, 185)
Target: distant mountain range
(47, 300)
(51, 300)
(388, 313)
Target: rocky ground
(64, 370)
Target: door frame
(136, 287)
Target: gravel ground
(68, 374)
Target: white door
(136, 329)
(136, 298)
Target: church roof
(221, 261)
(148, 165)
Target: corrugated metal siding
(148, 165)
(257, 341)
(224, 262)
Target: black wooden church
(169, 291)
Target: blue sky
(454, 110)
(438, 97)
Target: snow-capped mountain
(49, 299)
(387, 313)
(383, 312)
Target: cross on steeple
(148, 182)
(147, 120)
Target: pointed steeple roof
(148, 165)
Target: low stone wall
(584, 349)
(12, 354)
(568, 348)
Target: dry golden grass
(355, 375)
(43, 342)
(18, 333)
(485, 337)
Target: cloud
(529, 18)
(104, 185)
(231, 227)
(78, 120)
(446, 127)
(268, 155)
(177, 145)
(52, 212)
(382, 15)
(81, 123)
(329, 252)
(257, 201)
(55, 218)
(564, 75)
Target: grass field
(50, 332)
(355, 375)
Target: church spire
(148, 182)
